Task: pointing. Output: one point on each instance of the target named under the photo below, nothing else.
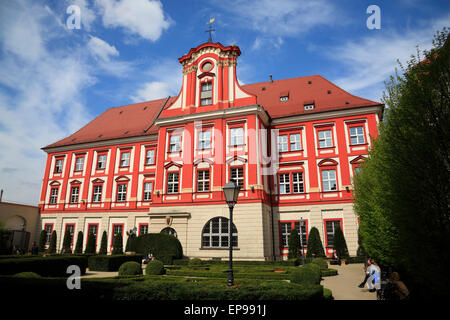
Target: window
(295, 142)
(97, 193)
(285, 186)
(357, 135)
(297, 182)
(59, 165)
(148, 191)
(329, 180)
(283, 143)
(202, 180)
(331, 226)
(284, 98)
(204, 139)
(175, 143)
(170, 231)
(74, 194)
(101, 161)
(308, 107)
(143, 228)
(125, 159)
(48, 229)
(286, 228)
(121, 192)
(206, 94)
(53, 195)
(237, 136)
(325, 140)
(237, 174)
(150, 157)
(216, 234)
(79, 164)
(172, 182)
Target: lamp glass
(231, 192)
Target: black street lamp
(231, 192)
(302, 223)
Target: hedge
(164, 247)
(158, 288)
(112, 262)
(51, 266)
(309, 274)
(130, 268)
(155, 267)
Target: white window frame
(175, 143)
(59, 165)
(237, 136)
(54, 195)
(283, 145)
(97, 193)
(148, 186)
(204, 139)
(221, 224)
(74, 195)
(150, 157)
(121, 195)
(173, 181)
(295, 140)
(328, 180)
(203, 177)
(235, 175)
(325, 138)
(358, 135)
(79, 164)
(101, 161)
(125, 159)
(284, 183)
(297, 182)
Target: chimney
(271, 79)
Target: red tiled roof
(132, 120)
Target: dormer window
(284, 98)
(308, 107)
(206, 93)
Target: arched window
(216, 234)
(170, 231)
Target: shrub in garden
(27, 274)
(79, 244)
(111, 262)
(155, 267)
(195, 262)
(52, 247)
(164, 247)
(103, 244)
(315, 247)
(90, 245)
(294, 245)
(340, 245)
(67, 243)
(117, 244)
(309, 274)
(130, 268)
(131, 243)
(42, 241)
(321, 262)
(51, 266)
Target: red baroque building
(293, 146)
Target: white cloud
(371, 60)
(40, 100)
(101, 48)
(145, 18)
(165, 79)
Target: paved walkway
(344, 286)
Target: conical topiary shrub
(315, 247)
(42, 241)
(104, 244)
(294, 245)
(131, 243)
(117, 244)
(339, 243)
(67, 242)
(52, 247)
(90, 245)
(79, 244)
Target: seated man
(148, 258)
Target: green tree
(315, 247)
(339, 243)
(42, 241)
(104, 244)
(294, 245)
(131, 242)
(90, 245)
(52, 246)
(79, 244)
(402, 192)
(117, 244)
(67, 242)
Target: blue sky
(53, 79)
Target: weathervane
(210, 29)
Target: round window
(207, 66)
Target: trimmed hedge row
(164, 247)
(112, 262)
(158, 288)
(52, 266)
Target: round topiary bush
(164, 247)
(308, 274)
(321, 262)
(27, 274)
(155, 267)
(130, 268)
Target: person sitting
(401, 291)
(374, 280)
(148, 258)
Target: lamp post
(231, 192)
(302, 223)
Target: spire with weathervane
(210, 30)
